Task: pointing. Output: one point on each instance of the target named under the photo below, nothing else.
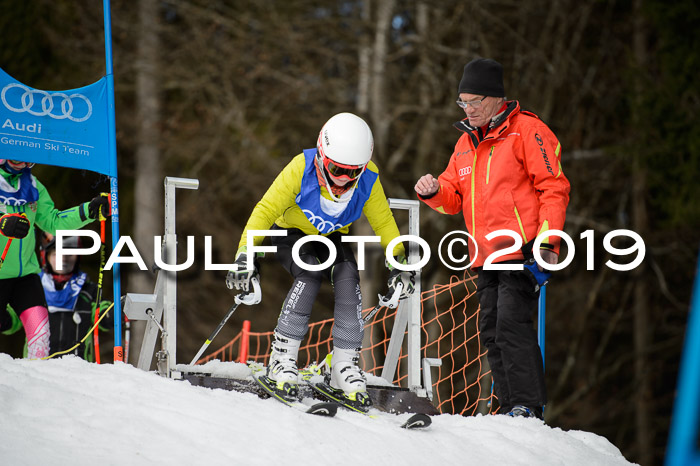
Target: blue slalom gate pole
(114, 196)
(682, 446)
(540, 319)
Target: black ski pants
(508, 304)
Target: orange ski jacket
(509, 178)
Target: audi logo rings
(26, 102)
(323, 225)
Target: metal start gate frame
(163, 303)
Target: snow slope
(69, 412)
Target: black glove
(240, 279)
(14, 225)
(396, 276)
(100, 204)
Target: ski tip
(417, 421)
(323, 409)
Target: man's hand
(549, 257)
(537, 276)
(427, 185)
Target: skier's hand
(14, 225)
(99, 205)
(396, 276)
(240, 279)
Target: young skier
(71, 297)
(26, 202)
(321, 192)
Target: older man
(504, 174)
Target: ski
(324, 408)
(331, 394)
(416, 421)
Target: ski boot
(347, 381)
(282, 374)
(524, 411)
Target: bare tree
(641, 294)
(148, 188)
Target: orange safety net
(450, 332)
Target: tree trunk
(148, 191)
(378, 107)
(641, 293)
(375, 75)
(364, 59)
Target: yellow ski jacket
(278, 206)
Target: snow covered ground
(69, 412)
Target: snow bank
(67, 411)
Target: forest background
(229, 91)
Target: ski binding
(324, 408)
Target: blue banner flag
(62, 128)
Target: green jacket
(21, 259)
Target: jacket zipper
(473, 232)
(520, 222)
(488, 165)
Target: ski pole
(371, 314)
(391, 303)
(77, 320)
(4, 252)
(127, 337)
(245, 298)
(96, 337)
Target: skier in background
(26, 203)
(71, 298)
(321, 192)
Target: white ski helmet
(346, 139)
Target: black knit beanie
(482, 76)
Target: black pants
(65, 332)
(21, 293)
(507, 306)
(348, 328)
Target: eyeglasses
(471, 103)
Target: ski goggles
(19, 162)
(340, 170)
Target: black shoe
(524, 411)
